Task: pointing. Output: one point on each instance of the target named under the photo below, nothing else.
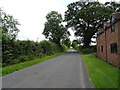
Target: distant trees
(66, 42)
(87, 17)
(54, 30)
(74, 44)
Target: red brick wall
(101, 42)
(111, 37)
(98, 46)
(118, 43)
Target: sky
(31, 15)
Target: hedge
(19, 51)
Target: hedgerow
(19, 51)
(16, 51)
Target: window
(113, 48)
(101, 48)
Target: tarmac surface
(64, 71)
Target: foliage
(15, 51)
(20, 51)
(16, 67)
(8, 31)
(8, 26)
(66, 42)
(74, 44)
(83, 50)
(54, 30)
(102, 74)
(113, 5)
(0, 35)
(64, 48)
(87, 17)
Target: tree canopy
(74, 44)
(54, 30)
(66, 42)
(8, 26)
(87, 17)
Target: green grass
(86, 51)
(102, 74)
(16, 67)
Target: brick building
(108, 41)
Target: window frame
(114, 48)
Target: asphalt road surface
(64, 71)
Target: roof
(115, 17)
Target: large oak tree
(87, 17)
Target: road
(64, 71)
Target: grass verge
(102, 74)
(16, 67)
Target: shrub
(79, 47)
(23, 58)
(84, 50)
(64, 48)
(20, 51)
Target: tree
(54, 30)
(74, 44)
(86, 18)
(0, 36)
(67, 42)
(113, 5)
(8, 26)
(9, 31)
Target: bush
(64, 48)
(23, 58)
(84, 50)
(79, 47)
(20, 51)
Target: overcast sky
(31, 15)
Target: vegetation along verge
(102, 74)
(18, 54)
(16, 67)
